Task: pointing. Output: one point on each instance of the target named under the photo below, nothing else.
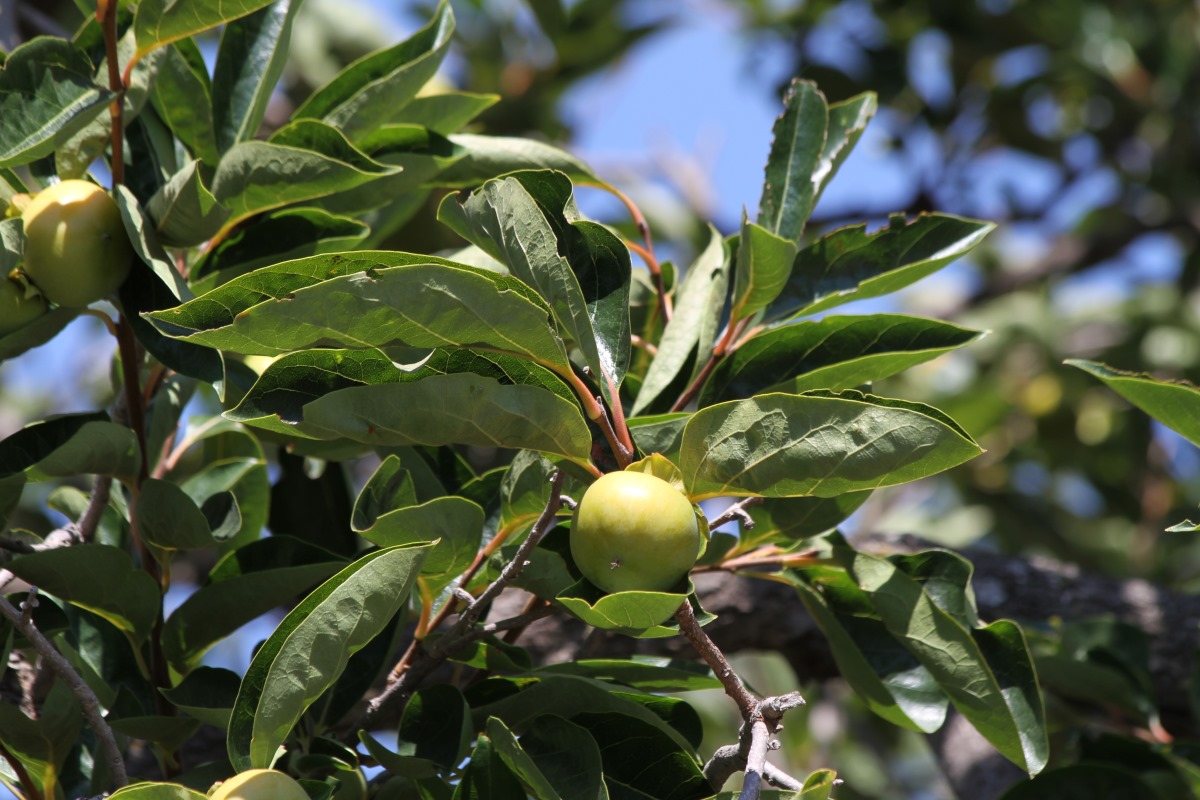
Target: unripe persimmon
(260, 784)
(633, 531)
(76, 249)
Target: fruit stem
(106, 15)
(720, 349)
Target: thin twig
(756, 758)
(88, 701)
(85, 528)
(690, 627)
(425, 661)
(516, 623)
(780, 779)
(736, 511)
(60, 537)
(106, 15)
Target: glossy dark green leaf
(524, 490)
(284, 235)
(250, 58)
(627, 745)
(146, 245)
(431, 304)
(96, 577)
(367, 93)
(850, 264)
(558, 784)
(159, 22)
(302, 161)
(1084, 781)
(310, 648)
(833, 353)
(47, 95)
(36, 333)
(888, 678)
(444, 113)
(43, 745)
(1174, 404)
(169, 519)
(11, 488)
(73, 444)
(946, 578)
(795, 171)
(436, 726)
(528, 221)
(847, 121)
(764, 262)
(206, 693)
(649, 673)
(692, 331)
(487, 157)
(169, 733)
(243, 585)
(184, 211)
(986, 672)
(823, 445)
(486, 777)
(395, 763)
(182, 97)
(417, 156)
(567, 756)
(233, 462)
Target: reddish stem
(106, 15)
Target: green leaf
(986, 672)
(781, 445)
(833, 353)
(627, 745)
(207, 694)
(850, 264)
(453, 409)
(157, 791)
(285, 235)
(524, 490)
(522, 764)
(659, 433)
(692, 331)
(47, 95)
(1086, 780)
(362, 300)
(181, 94)
(36, 333)
(764, 262)
(159, 22)
(795, 518)
(245, 584)
(888, 678)
(847, 121)
(184, 211)
(649, 673)
(250, 59)
(491, 156)
(96, 577)
(310, 648)
(444, 113)
(145, 243)
(638, 614)
(567, 756)
(529, 222)
(73, 444)
(168, 518)
(42, 745)
(1174, 404)
(234, 462)
(436, 726)
(486, 777)
(11, 488)
(795, 168)
(567, 696)
(302, 161)
(366, 94)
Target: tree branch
(83, 693)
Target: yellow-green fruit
(635, 532)
(16, 309)
(76, 249)
(260, 784)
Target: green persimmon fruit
(76, 249)
(260, 784)
(635, 532)
(18, 307)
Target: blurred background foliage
(1072, 123)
